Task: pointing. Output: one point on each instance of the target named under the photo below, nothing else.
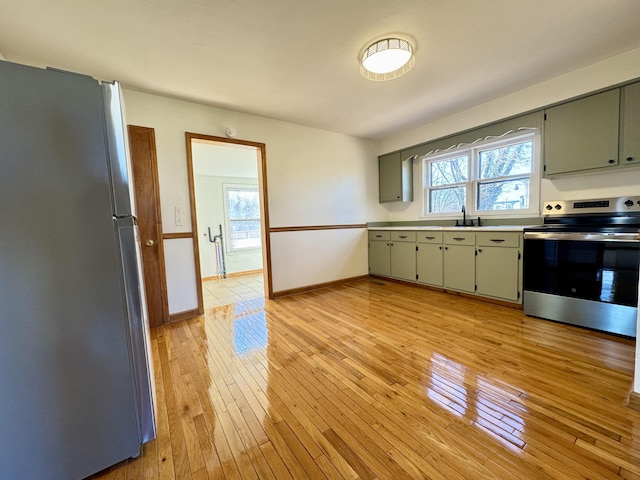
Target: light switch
(178, 215)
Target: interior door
(145, 178)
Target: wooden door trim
(264, 204)
(174, 236)
(156, 188)
(304, 228)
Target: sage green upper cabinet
(583, 134)
(630, 134)
(395, 178)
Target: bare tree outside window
(493, 175)
(449, 176)
(507, 161)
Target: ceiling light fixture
(387, 59)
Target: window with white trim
(490, 178)
(242, 216)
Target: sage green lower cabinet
(486, 263)
(379, 253)
(497, 271)
(393, 254)
(459, 267)
(429, 258)
(403, 255)
(459, 261)
(498, 265)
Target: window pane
(243, 213)
(244, 233)
(243, 203)
(504, 195)
(452, 170)
(508, 160)
(446, 199)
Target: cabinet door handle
(429, 238)
(378, 236)
(629, 159)
(446, 248)
(496, 240)
(458, 239)
(402, 236)
(440, 248)
(612, 160)
(479, 250)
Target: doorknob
(149, 243)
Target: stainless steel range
(581, 265)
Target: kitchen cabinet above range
(601, 131)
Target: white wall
(181, 281)
(314, 177)
(593, 77)
(313, 257)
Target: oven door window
(598, 271)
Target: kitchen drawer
(498, 239)
(429, 237)
(460, 238)
(403, 236)
(379, 235)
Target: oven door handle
(583, 237)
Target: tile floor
(225, 291)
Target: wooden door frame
(264, 207)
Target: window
(489, 178)
(242, 212)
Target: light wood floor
(223, 291)
(376, 380)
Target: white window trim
(227, 224)
(472, 211)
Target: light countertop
(490, 228)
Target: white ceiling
(297, 60)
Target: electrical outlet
(177, 210)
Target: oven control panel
(599, 205)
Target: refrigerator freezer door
(118, 143)
(133, 291)
(67, 406)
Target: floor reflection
(466, 395)
(250, 326)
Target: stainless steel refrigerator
(76, 378)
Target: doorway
(229, 211)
